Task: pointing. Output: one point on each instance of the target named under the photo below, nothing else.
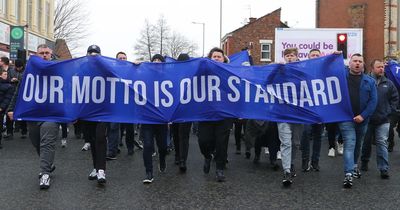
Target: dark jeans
(78, 128)
(214, 136)
(394, 120)
(149, 132)
(95, 133)
(239, 126)
(333, 130)
(22, 126)
(129, 135)
(270, 139)
(9, 126)
(311, 132)
(180, 135)
(113, 134)
(64, 131)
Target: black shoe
(111, 157)
(130, 152)
(206, 167)
(256, 159)
(348, 181)
(305, 165)
(248, 154)
(182, 166)
(364, 166)
(357, 173)
(274, 166)
(293, 171)
(315, 166)
(149, 178)
(162, 165)
(287, 179)
(220, 175)
(384, 174)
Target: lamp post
(204, 30)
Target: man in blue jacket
(378, 126)
(363, 98)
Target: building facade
(377, 18)
(258, 36)
(40, 16)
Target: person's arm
(372, 102)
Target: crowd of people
(374, 101)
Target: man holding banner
(363, 98)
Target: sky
(115, 25)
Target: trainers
(348, 181)
(364, 166)
(86, 147)
(315, 166)
(154, 154)
(287, 179)
(138, 143)
(101, 176)
(63, 143)
(149, 178)
(357, 173)
(266, 150)
(111, 157)
(384, 174)
(331, 152)
(93, 175)
(206, 167)
(162, 165)
(305, 166)
(279, 155)
(44, 181)
(340, 149)
(220, 176)
(293, 171)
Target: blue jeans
(380, 133)
(113, 134)
(353, 136)
(311, 132)
(149, 132)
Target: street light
(204, 30)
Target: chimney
(252, 19)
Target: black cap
(183, 57)
(93, 49)
(159, 57)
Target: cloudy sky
(115, 25)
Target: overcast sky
(115, 25)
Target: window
(47, 16)
(3, 8)
(30, 13)
(39, 14)
(17, 10)
(266, 46)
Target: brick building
(258, 35)
(377, 18)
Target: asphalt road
(248, 186)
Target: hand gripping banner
(97, 88)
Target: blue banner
(392, 71)
(97, 88)
(240, 58)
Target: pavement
(248, 186)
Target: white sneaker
(63, 143)
(86, 147)
(279, 155)
(101, 176)
(154, 154)
(331, 152)
(44, 181)
(93, 175)
(340, 149)
(266, 150)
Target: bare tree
(162, 33)
(146, 44)
(177, 44)
(70, 22)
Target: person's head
(44, 52)
(3, 75)
(314, 53)
(157, 58)
(183, 57)
(19, 65)
(121, 56)
(378, 67)
(356, 64)
(217, 54)
(93, 50)
(4, 61)
(290, 55)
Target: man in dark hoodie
(378, 126)
(6, 93)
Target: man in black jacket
(378, 126)
(6, 93)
